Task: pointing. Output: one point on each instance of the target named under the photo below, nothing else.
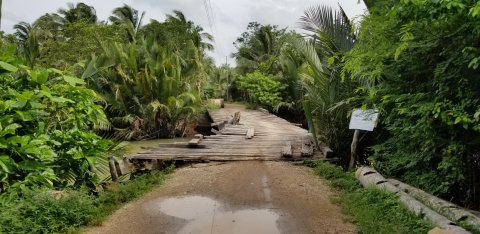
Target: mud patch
(205, 215)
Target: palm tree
(201, 39)
(78, 12)
(48, 26)
(129, 16)
(329, 37)
(260, 44)
(26, 37)
(330, 29)
(149, 89)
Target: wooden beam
(113, 171)
(307, 145)
(236, 118)
(250, 133)
(193, 143)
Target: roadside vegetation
(41, 210)
(372, 210)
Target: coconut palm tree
(259, 44)
(78, 12)
(129, 16)
(48, 26)
(26, 37)
(201, 39)
(329, 37)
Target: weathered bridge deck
(273, 139)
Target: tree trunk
(441, 206)
(369, 177)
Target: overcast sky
(230, 17)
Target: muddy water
(205, 215)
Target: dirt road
(235, 197)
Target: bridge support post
(113, 170)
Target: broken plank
(250, 133)
(236, 118)
(193, 143)
(287, 149)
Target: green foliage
(261, 89)
(47, 211)
(28, 45)
(77, 41)
(372, 210)
(46, 119)
(149, 90)
(128, 17)
(258, 48)
(418, 64)
(323, 92)
(220, 82)
(177, 32)
(78, 12)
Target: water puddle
(205, 215)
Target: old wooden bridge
(238, 134)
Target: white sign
(364, 119)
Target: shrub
(261, 89)
(46, 136)
(46, 211)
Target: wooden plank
(193, 143)
(287, 149)
(215, 158)
(113, 170)
(307, 145)
(250, 133)
(236, 118)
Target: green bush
(419, 63)
(46, 129)
(47, 211)
(261, 89)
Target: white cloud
(230, 16)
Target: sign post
(361, 120)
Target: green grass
(372, 210)
(45, 211)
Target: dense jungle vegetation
(71, 86)
(414, 61)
